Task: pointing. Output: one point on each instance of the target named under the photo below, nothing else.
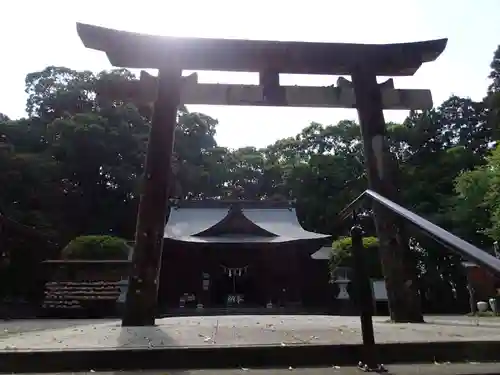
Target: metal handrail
(454, 243)
(362, 280)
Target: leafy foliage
(478, 197)
(96, 248)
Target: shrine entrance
(234, 287)
(362, 62)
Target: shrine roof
(237, 225)
(141, 51)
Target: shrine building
(220, 253)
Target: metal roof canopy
(270, 225)
(141, 51)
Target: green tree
(477, 200)
(494, 86)
(96, 147)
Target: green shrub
(96, 248)
(341, 255)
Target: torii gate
(363, 62)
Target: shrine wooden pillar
(142, 295)
(396, 258)
(3, 240)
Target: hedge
(96, 248)
(341, 255)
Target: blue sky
(34, 34)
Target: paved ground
(235, 331)
(10, 327)
(493, 321)
(442, 369)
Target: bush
(96, 248)
(341, 255)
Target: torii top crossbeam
(133, 50)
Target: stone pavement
(493, 321)
(223, 331)
(432, 369)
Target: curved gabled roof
(282, 222)
(133, 50)
(233, 225)
(187, 222)
(236, 223)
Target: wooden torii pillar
(172, 55)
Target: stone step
(211, 311)
(117, 359)
(413, 369)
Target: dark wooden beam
(133, 50)
(399, 271)
(272, 93)
(142, 295)
(269, 93)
